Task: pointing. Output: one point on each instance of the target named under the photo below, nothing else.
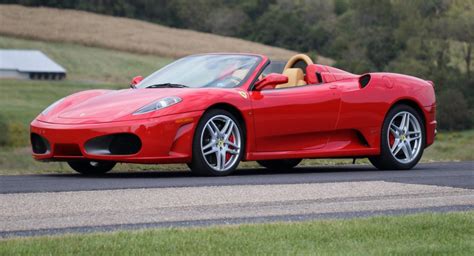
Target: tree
(453, 111)
(279, 27)
(4, 129)
(460, 24)
(195, 14)
(227, 21)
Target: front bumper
(166, 139)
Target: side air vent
(364, 80)
(362, 139)
(320, 78)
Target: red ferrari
(212, 111)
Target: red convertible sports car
(212, 111)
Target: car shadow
(237, 173)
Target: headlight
(46, 110)
(159, 104)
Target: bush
(13, 134)
(453, 111)
(3, 131)
(18, 135)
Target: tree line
(431, 39)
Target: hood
(113, 105)
(110, 105)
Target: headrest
(294, 75)
(295, 78)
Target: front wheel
(402, 141)
(280, 164)
(87, 167)
(218, 144)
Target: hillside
(123, 34)
(92, 64)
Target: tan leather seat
(295, 78)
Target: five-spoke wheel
(404, 137)
(402, 140)
(218, 144)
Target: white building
(29, 64)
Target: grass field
(92, 64)
(425, 234)
(123, 34)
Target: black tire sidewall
(84, 167)
(386, 160)
(198, 164)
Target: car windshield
(213, 70)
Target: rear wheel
(402, 141)
(218, 144)
(280, 164)
(87, 167)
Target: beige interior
(295, 78)
(295, 75)
(292, 61)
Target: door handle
(332, 86)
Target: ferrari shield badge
(243, 94)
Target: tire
(218, 144)
(87, 167)
(280, 164)
(401, 144)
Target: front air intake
(39, 144)
(114, 144)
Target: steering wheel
(297, 58)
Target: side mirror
(135, 81)
(270, 81)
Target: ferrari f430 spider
(212, 111)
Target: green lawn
(90, 63)
(424, 234)
(451, 146)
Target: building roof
(28, 61)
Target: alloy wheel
(404, 137)
(220, 143)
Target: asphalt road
(51, 204)
(457, 174)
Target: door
(295, 118)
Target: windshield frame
(244, 82)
